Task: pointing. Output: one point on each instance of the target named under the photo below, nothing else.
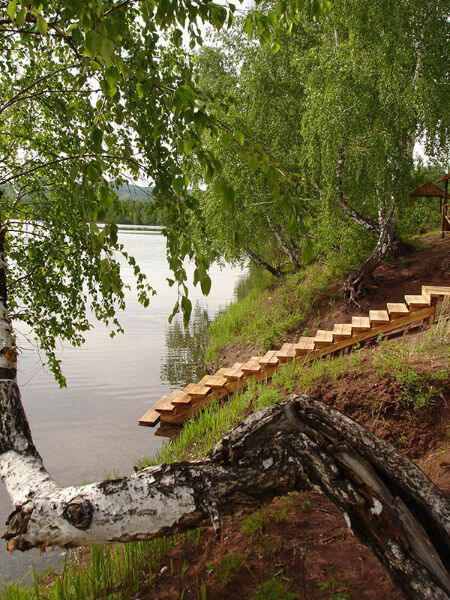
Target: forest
(283, 132)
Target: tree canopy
(338, 105)
(299, 124)
(95, 94)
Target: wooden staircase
(180, 405)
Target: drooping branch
(387, 501)
(348, 209)
(262, 263)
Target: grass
(272, 589)
(227, 567)
(112, 572)
(264, 317)
(255, 523)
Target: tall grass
(112, 572)
(267, 313)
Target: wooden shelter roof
(428, 189)
(444, 177)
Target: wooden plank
(360, 324)
(194, 409)
(150, 418)
(197, 390)
(342, 331)
(221, 371)
(435, 291)
(164, 404)
(287, 352)
(378, 317)
(304, 345)
(214, 381)
(397, 309)
(180, 398)
(414, 317)
(252, 365)
(270, 358)
(416, 302)
(234, 372)
(181, 417)
(323, 338)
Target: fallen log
(387, 501)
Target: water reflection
(185, 357)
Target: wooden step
(180, 398)
(323, 338)
(287, 352)
(304, 345)
(416, 302)
(431, 292)
(197, 390)
(378, 317)
(270, 358)
(150, 418)
(235, 372)
(397, 310)
(164, 404)
(252, 365)
(221, 371)
(360, 324)
(342, 331)
(214, 381)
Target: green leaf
(20, 17)
(107, 51)
(239, 137)
(248, 25)
(226, 192)
(91, 43)
(188, 144)
(97, 138)
(205, 284)
(178, 184)
(140, 90)
(275, 47)
(186, 307)
(112, 76)
(42, 25)
(307, 253)
(11, 9)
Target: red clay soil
(406, 275)
(303, 542)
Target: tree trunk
(357, 282)
(262, 263)
(389, 504)
(283, 244)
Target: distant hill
(130, 191)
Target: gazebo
(431, 190)
(445, 215)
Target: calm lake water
(90, 428)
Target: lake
(90, 428)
